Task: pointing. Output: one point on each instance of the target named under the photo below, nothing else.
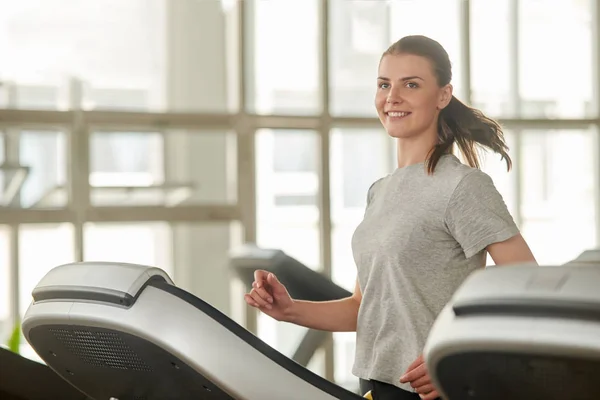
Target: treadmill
(127, 332)
(520, 332)
(588, 257)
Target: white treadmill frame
(543, 335)
(199, 340)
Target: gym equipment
(17, 373)
(301, 282)
(126, 332)
(520, 332)
(588, 257)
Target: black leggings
(385, 391)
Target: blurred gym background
(169, 132)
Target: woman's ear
(445, 96)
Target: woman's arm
(512, 251)
(333, 316)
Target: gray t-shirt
(421, 236)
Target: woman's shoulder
(373, 188)
(452, 170)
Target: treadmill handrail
(277, 357)
(302, 282)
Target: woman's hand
(419, 379)
(269, 295)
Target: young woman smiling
(427, 226)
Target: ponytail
(467, 127)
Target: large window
(133, 61)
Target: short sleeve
(371, 191)
(477, 215)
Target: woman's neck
(412, 151)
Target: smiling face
(409, 98)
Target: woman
(427, 226)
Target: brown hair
(457, 123)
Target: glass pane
(124, 165)
(113, 242)
(143, 55)
(285, 57)
(551, 85)
(287, 184)
(41, 248)
(177, 168)
(45, 46)
(358, 158)
(491, 56)
(5, 279)
(37, 175)
(360, 31)
(558, 195)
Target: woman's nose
(394, 96)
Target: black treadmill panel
(501, 376)
(104, 363)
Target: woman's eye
(412, 85)
(383, 85)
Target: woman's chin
(400, 133)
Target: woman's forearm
(333, 316)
